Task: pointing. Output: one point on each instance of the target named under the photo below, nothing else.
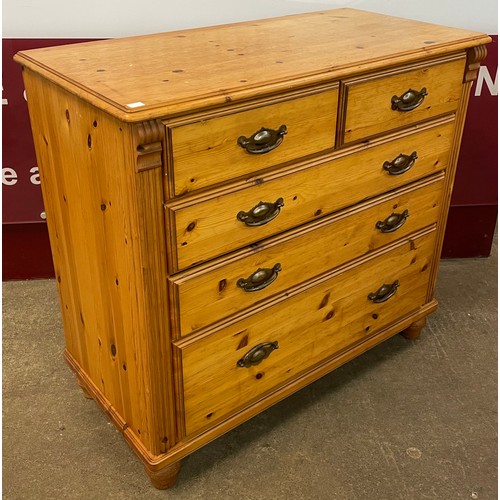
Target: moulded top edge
(166, 74)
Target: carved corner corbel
(148, 138)
(474, 57)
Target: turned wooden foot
(164, 478)
(86, 392)
(413, 331)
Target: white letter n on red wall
(485, 77)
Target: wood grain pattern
(448, 188)
(158, 363)
(163, 365)
(208, 294)
(368, 104)
(186, 446)
(106, 279)
(203, 229)
(175, 72)
(309, 328)
(206, 152)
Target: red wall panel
(26, 252)
(21, 194)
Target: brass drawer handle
(263, 141)
(257, 354)
(411, 99)
(259, 279)
(385, 292)
(392, 223)
(262, 213)
(401, 164)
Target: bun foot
(413, 331)
(164, 478)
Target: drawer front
(308, 328)
(201, 230)
(208, 151)
(206, 296)
(370, 108)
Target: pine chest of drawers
(236, 211)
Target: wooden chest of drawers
(236, 211)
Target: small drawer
(226, 287)
(201, 228)
(228, 370)
(385, 102)
(211, 150)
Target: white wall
(116, 18)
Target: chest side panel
(107, 276)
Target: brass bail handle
(401, 164)
(257, 354)
(393, 222)
(262, 213)
(260, 279)
(263, 141)
(409, 100)
(385, 292)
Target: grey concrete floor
(407, 420)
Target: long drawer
(379, 103)
(206, 295)
(228, 370)
(203, 228)
(209, 150)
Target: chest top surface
(157, 75)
